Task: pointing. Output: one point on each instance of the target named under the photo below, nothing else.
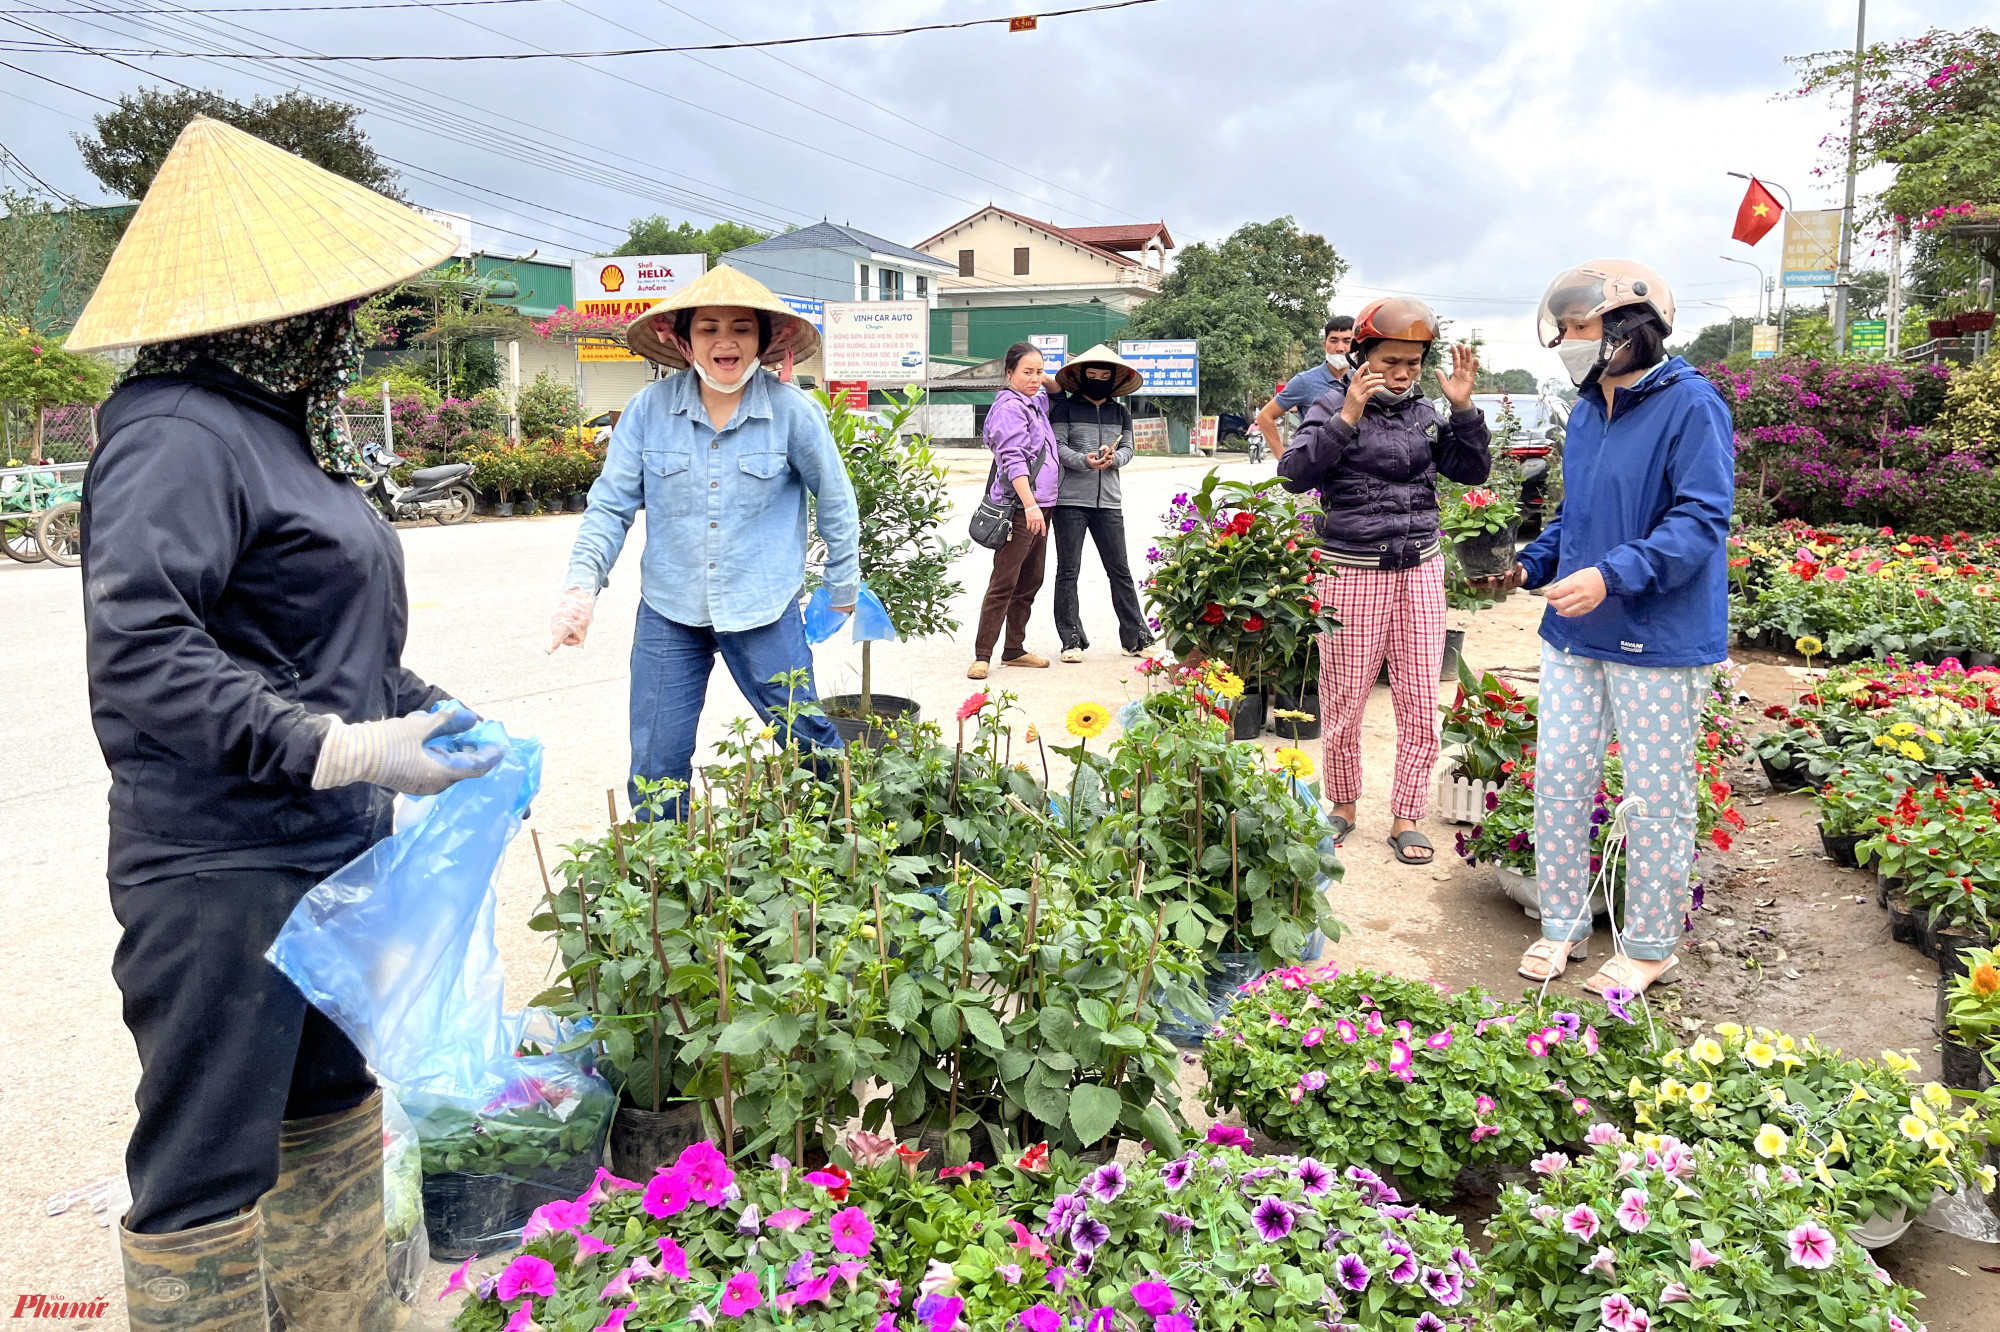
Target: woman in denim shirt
(722, 457)
(1026, 473)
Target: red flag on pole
(1756, 215)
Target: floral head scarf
(317, 354)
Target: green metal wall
(993, 329)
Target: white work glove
(392, 753)
(572, 618)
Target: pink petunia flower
(526, 1275)
(1483, 1131)
(1674, 1293)
(1603, 1135)
(853, 1233)
(552, 1218)
(523, 1319)
(1312, 1036)
(1374, 1025)
(1582, 1222)
(1812, 1245)
(707, 1171)
(788, 1220)
(1632, 1214)
(456, 1281)
(1439, 1040)
(1699, 1256)
(1614, 1312)
(1483, 1104)
(1602, 1262)
(615, 1320)
(1549, 1163)
(740, 1295)
(588, 1244)
(673, 1258)
(1581, 1105)
(1345, 1030)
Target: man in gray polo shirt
(1308, 386)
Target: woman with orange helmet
(1636, 568)
(1374, 449)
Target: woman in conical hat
(245, 614)
(1093, 432)
(722, 458)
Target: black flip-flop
(1341, 827)
(1408, 838)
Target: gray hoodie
(1082, 427)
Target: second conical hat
(236, 232)
(723, 285)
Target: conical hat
(1125, 377)
(723, 285)
(236, 232)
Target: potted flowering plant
(1655, 1231)
(1399, 1075)
(1877, 1144)
(1234, 580)
(1488, 731)
(1480, 523)
(1972, 1021)
(1222, 1239)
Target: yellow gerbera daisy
(1903, 730)
(1087, 721)
(1808, 646)
(1295, 761)
(1911, 750)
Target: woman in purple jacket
(1027, 473)
(1374, 453)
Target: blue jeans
(670, 668)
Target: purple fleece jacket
(1023, 444)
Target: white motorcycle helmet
(1623, 292)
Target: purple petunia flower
(1256, 1173)
(1062, 1212)
(1352, 1272)
(1314, 1178)
(1312, 1080)
(1174, 1174)
(1569, 1022)
(1615, 999)
(1447, 1288)
(1395, 1211)
(1273, 1220)
(1177, 1224)
(801, 1268)
(1464, 1261)
(1086, 1233)
(1106, 1182)
(1429, 1322)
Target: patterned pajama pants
(1655, 710)
(1398, 614)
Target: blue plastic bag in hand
(397, 946)
(822, 620)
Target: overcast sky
(1461, 151)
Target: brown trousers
(1010, 593)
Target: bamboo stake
(1232, 872)
(881, 939)
(847, 807)
(722, 998)
(965, 951)
(617, 842)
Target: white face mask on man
(1339, 362)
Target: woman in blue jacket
(1637, 576)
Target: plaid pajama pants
(1398, 615)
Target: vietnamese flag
(1756, 215)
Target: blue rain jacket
(1647, 495)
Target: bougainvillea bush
(1861, 1130)
(1659, 1233)
(1217, 1238)
(1406, 1077)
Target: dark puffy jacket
(1377, 482)
(1082, 428)
(234, 594)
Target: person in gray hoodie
(1094, 441)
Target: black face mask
(1097, 390)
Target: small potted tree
(36, 372)
(900, 490)
(1480, 523)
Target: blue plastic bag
(397, 946)
(870, 616)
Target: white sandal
(1547, 952)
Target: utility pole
(1895, 288)
(1846, 273)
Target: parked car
(596, 429)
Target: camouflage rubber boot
(210, 1278)
(324, 1251)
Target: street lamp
(1760, 281)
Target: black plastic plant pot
(1487, 554)
(567, 1181)
(472, 1215)
(1884, 885)
(1952, 948)
(932, 1141)
(644, 1140)
(1785, 779)
(1904, 927)
(1976, 658)
(884, 710)
(1454, 648)
(1288, 728)
(1840, 846)
(1249, 715)
(1963, 1070)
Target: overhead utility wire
(810, 109)
(897, 115)
(9, 155)
(543, 54)
(997, 279)
(344, 84)
(453, 125)
(297, 9)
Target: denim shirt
(725, 512)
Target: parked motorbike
(444, 493)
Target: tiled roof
(1060, 233)
(835, 236)
(1130, 237)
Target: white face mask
(1580, 357)
(722, 386)
(1338, 362)
(1410, 390)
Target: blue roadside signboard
(1170, 366)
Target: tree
(51, 259)
(39, 375)
(130, 143)
(547, 407)
(656, 235)
(1504, 381)
(1257, 302)
(1717, 341)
